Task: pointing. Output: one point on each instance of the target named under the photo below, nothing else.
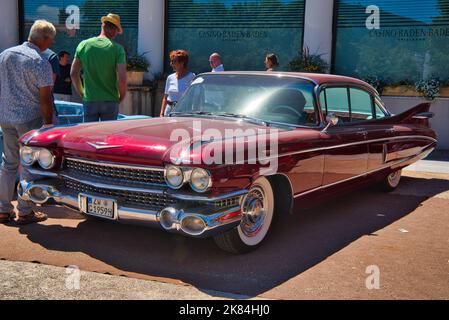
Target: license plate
(99, 207)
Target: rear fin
(411, 116)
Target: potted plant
(137, 66)
(308, 62)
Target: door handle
(363, 133)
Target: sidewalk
(437, 162)
(31, 281)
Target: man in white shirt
(215, 63)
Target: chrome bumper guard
(195, 221)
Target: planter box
(139, 101)
(406, 91)
(444, 92)
(400, 91)
(135, 78)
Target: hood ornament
(102, 145)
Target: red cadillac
(238, 149)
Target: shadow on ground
(296, 243)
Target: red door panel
(347, 154)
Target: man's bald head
(215, 59)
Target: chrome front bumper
(178, 218)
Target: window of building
(393, 39)
(243, 32)
(78, 20)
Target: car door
(346, 151)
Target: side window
(361, 105)
(323, 102)
(335, 100)
(380, 114)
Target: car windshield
(264, 99)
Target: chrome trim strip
(42, 173)
(345, 145)
(105, 147)
(117, 165)
(187, 197)
(421, 156)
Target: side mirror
(332, 120)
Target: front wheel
(391, 182)
(257, 215)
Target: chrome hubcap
(254, 212)
(393, 178)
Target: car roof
(317, 78)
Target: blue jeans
(11, 161)
(100, 111)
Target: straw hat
(115, 20)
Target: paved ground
(320, 253)
(31, 281)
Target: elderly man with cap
(103, 62)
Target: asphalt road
(320, 253)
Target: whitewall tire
(392, 181)
(257, 216)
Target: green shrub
(138, 63)
(308, 62)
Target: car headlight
(200, 180)
(28, 156)
(174, 177)
(46, 159)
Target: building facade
(396, 41)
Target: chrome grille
(121, 173)
(230, 202)
(124, 197)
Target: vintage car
(326, 135)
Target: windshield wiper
(192, 113)
(224, 114)
(243, 117)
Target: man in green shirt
(103, 62)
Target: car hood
(148, 141)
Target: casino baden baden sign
(406, 34)
(395, 39)
(242, 31)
